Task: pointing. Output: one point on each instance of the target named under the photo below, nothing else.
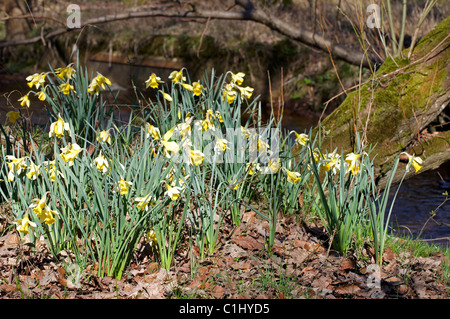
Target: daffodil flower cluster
(168, 163)
(232, 89)
(332, 162)
(40, 208)
(43, 211)
(18, 166)
(66, 74)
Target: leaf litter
(299, 265)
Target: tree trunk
(400, 109)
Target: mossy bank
(397, 108)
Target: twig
(201, 37)
(26, 16)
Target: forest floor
(299, 266)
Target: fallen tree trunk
(400, 109)
(355, 57)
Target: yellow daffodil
(184, 129)
(40, 208)
(251, 168)
(197, 88)
(151, 238)
(273, 167)
(247, 91)
(332, 163)
(231, 89)
(188, 117)
(49, 216)
(102, 80)
(244, 132)
(24, 224)
(124, 186)
(219, 117)
(41, 95)
(208, 124)
(262, 146)
(70, 152)
(36, 79)
(173, 192)
(416, 162)
(235, 184)
(104, 137)
(292, 177)
(316, 155)
(15, 165)
(66, 88)
(187, 87)
(38, 205)
(153, 81)
(57, 128)
(229, 93)
(67, 72)
(237, 78)
(301, 139)
(169, 146)
(196, 157)
(33, 171)
(152, 131)
(166, 96)
(98, 82)
(24, 100)
(221, 144)
(144, 202)
(177, 76)
(353, 162)
(102, 163)
(13, 116)
(50, 168)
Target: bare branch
(251, 13)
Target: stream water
(417, 198)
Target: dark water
(417, 197)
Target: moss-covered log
(400, 108)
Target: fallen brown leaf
(388, 254)
(248, 242)
(218, 292)
(60, 278)
(347, 290)
(348, 264)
